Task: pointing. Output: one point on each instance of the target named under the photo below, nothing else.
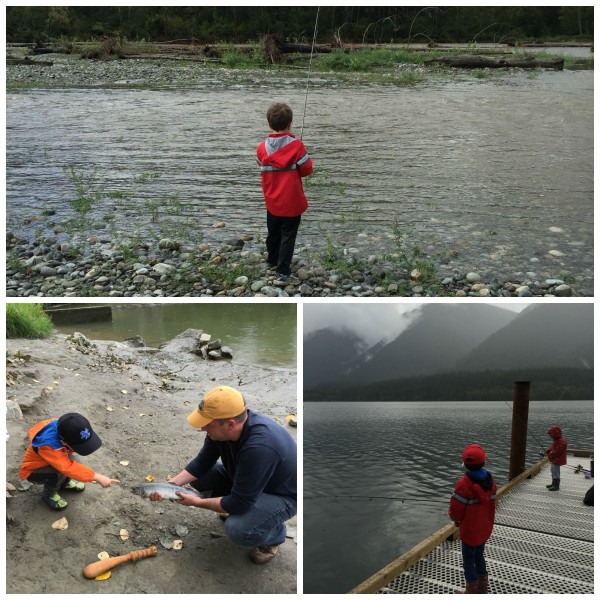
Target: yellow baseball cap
(222, 402)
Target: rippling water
(401, 450)
(499, 170)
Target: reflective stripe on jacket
(474, 508)
(283, 161)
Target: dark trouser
(473, 562)
(50, 478)
(263, 524)
(281, 239)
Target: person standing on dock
(557, 455)
(473, 509)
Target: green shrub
(28, 321)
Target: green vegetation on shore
(27, 321)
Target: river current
(493, 175)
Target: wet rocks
(238, 268)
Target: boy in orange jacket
(283, 161)
(48, 460)
(473, 509)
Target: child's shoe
(73, 485)
(287, 278)
(55, 501)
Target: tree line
(546, 384)
(336, 24)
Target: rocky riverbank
(137, 398)
(238, 268)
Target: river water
(259, 334)
(406, 450)
(486, 174)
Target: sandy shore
(137, 399)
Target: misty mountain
(438, 335)
(548, 335)
(326, 354)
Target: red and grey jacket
(557, 453)
(283, 161)
(473, 506)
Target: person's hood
(281, 150)
(484, 483)
(47, 436)
(554, 432)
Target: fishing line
(309, 69)
(355, 496)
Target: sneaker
(263, 554)
(287, 278)
(73, 485)
(55, 501)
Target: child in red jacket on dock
(283, 162)
(557, 455)
(473, 508)
(48, 460)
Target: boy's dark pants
(50, 477)
(473, 562)
(281, 239)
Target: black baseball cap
(76, 431)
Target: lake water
(410, 451)
(499, 170)
(258, 333)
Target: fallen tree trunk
(27, 62)
(473, 61)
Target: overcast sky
(375, 320)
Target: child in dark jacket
(48, 459)
(283, 162)
(557, 455)
(473, 508)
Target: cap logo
(85, 434)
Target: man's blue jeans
(263, 524)
(473, 562)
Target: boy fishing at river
(283, 162)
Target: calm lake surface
(406, 450)
(499, 170)
(259, 334)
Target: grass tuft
(27, 321)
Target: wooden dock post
(518, 440)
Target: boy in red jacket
(557, 455)
(283, 162)
(473, 508)
(48, 460)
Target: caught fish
(167, 491)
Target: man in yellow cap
(248, 461)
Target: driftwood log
(472, 61)
(274, 47)
(28, 62)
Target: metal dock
(542, 543)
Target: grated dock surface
(543, 543)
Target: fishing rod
(309, 69)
